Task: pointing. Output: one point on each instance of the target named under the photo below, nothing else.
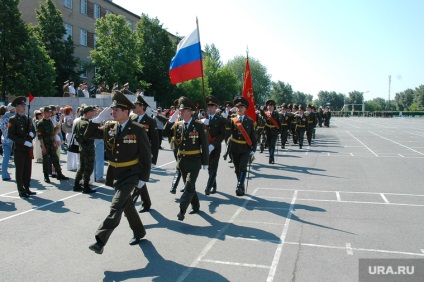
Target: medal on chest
(193, 135)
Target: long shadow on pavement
(161, 269)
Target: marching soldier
(128, 150)
(21, 132)
(312, 120)
(46, 135)
(301, 125)
(272, 127)
(215, 127)
(292, 114)
(87, 152)
(66, 92)
(151, 129)
(174, 147)
(285, 125)
(193, 152)
(260, 128)
(243, 139)
(228, 114)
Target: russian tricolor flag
(187, 63)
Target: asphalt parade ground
(357, 192)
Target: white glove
(211, 147)
(31, 134)
(262, 107)
(233, 109)
(28, 144)
(205, 167)
(252, 154)
(205, 121)
(224, 115)
(104, 115)
(140, 183)
(174, 117)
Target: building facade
(79, 18)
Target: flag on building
(248, 91)
(187, 62)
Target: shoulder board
(133, 116)
(111, 122)
(138, 124)
(198, 121)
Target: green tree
(50, 32)
(13, 35)
(302, 98)
(155, 51)
(404, 99)
(356, 97)
(221, 81)
(419, 96)
(38, 76)
(282, 92)
(332, 99)
(260, 78)
(376, 104)
(115, 53)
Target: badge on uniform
(130, 139)
(193, 135)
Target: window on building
(83, 37)
(68, 33)
(67, 3)
(130, 23)
(84, 7)
(97, 10)
(108, 12)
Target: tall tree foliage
(301, 98)
(282, 92)
(38, 76)
(221, 80)
(50, 32)
(260, 78)
(332, 99)
(155, 51)
(115, 53)
(13, 35)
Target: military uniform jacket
(45, 131)
(312, 120)
(132, 144)
(80, 128)
(18, 131)
(192, 143)
(237, 138)
(301, 122)
(151, 129)
(216, 130)
(269, 126)
(285, 120)
(260, 120)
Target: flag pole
(201, 63)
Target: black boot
(77, 186)
(87, 189)
(60, 176)
(209, 185)
(175, 181)
(213, 191)
(46, 178)
(240, 184)
(262, 148)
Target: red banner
(30, 97)
(248, 91)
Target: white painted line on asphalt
(328, 154)
(362, 143)
(277, 254)
(349, 249)
(212, 242)
(14, 197)
(255, 240)
(268, 208)
(236, 263)
(397, 143)
(356, 249)
(351, 154)
(422, 250)
(401, 155)
(348, 192)
(352, 202)
(338, 196)
(384, 198)
(258, 222)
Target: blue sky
(314, 45)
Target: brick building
(79, 17)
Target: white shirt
(71, 90)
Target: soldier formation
(131, 142)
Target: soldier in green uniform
(174, 148)
(312, 120)
(285, 125)
(128, 150)
(301, 125)
(243, 140)
(272, 127)
(228, 114)
(87, 152)
(151, 129)
(45, 133)
(292, 114)
(21, 132)
(215, 127)
(193, 152)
